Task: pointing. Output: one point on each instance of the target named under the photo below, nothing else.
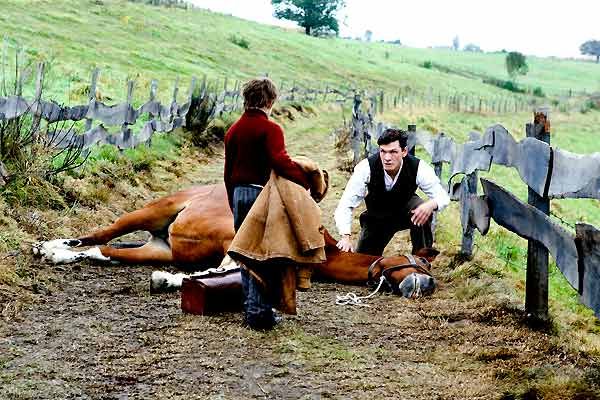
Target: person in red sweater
(254, 145)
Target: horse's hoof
(163, 282)
(158, 282)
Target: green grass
(131, 40)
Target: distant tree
(592, 48)
(455, 43)
(368, 35)
(396, 41)
(472, 48)
(315, 16)
(516, 64)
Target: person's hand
(345, 244)
(421, 214)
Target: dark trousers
(258, 311)
(376, 232)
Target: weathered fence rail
(161, 118)
(548, 172)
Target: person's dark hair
(391, 135)
(259, 93)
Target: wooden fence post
(92, 96)
(466, 248)
(356, 130)
(125, 126)
(3, 91)
(152, 96)
(536, 287)
(20, 71)
(411, 129)
(172, 109)
(3, 174)
(37, 111)
(438, 169)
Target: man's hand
(345, 244)
(421, 214)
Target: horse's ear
(427, 253)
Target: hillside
(132, 40)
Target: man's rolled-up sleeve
(430, 184)
(354, 194)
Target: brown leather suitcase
(211, 295)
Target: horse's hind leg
(156, 251)
(151, 219)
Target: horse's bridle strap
(393, 268)
(386, 271)
(370, 272)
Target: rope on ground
(351, 299)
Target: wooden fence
(229, 100)
(161, 118)
(549, 173)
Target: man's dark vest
(386, 204)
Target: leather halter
(385, 272)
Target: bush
(589, 105)
(538, 92)
(507, 85)
(427, 64)
(240, 41)
(198, 119)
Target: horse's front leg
(162, 281)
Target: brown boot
(303, 274)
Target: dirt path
(99, 334)
(95, 332)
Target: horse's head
(407, 275)
(319, 178)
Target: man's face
(391, 156)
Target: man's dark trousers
(258, 310)
(376, 232)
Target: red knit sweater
(254, 146)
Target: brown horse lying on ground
(194, 227)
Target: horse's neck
(359, 259)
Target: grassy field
(133, 41)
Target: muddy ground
(99, 334)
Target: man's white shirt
(356, 191)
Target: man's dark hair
(259, 93)
(391, 135)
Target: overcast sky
(544, 28)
